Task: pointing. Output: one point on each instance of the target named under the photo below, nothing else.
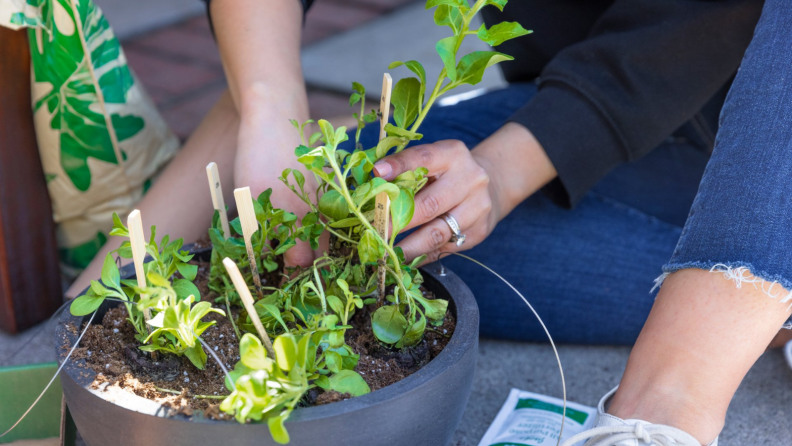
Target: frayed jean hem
(773, 285)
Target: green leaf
(435, 308)
(471, 68)
(187, 271)
(446, 15)
(417, 68)
(348, 381)
(369, 248)
(252, 353)
(388, 324)
(500, 4)
(328, 132)
(392, 130)
(273, 311)
(197, 356)
(333, 205)
(334, 361)
(414, 334)
(110, 274)
(358, 88)
(285, 347)
(118, 227)
(346, 223)
(354, 99)
(157, 280)
(501, 32)
(402, 210)
(277, 429)
(373, 188)
(335, 304)
(446, 48)
(406, 101)
(264, 198)
(184, 289)
(125, 250)
(388, 143)
(361, 172)
(455, 3)
(86, 304)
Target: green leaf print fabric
(100, 137)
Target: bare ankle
(671, 406)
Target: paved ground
(180, 67)
(759, 414)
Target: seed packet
(531, 419)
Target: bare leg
(179, 203)
(702, 336)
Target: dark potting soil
(109, 349)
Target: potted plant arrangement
(362, 347)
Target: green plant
(277, 232)
(269, 389)
(177, 322)
(314, 305)
(167, 256)
(309, 312)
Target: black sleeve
(646, 68)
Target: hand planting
(309, 312)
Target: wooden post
(30, 280)
(382, 202)
(138, 242)
(216, 189)
(247, 217)
(247, 300)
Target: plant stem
(342, 237)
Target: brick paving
(181, 68)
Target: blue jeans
(740, 223)
(587, 271)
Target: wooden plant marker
(247, 300)
(138, 242)
(216, 189)
(382, 202)
(247, 217)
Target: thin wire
(544, 327)
(65, 360)
(219, 362)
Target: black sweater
(617, 77)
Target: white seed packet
(531, 419)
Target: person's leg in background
(587, 271)
(179, 198)
(727, 294)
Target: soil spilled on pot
(110, 350)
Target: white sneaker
(788, 353)
(613, 431)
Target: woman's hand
(459, 185)
(260, 46)
(477, 187)
(263, 152)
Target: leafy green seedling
(178, 323)
(269, 389)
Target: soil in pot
(110, 350)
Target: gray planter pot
(422, 410)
